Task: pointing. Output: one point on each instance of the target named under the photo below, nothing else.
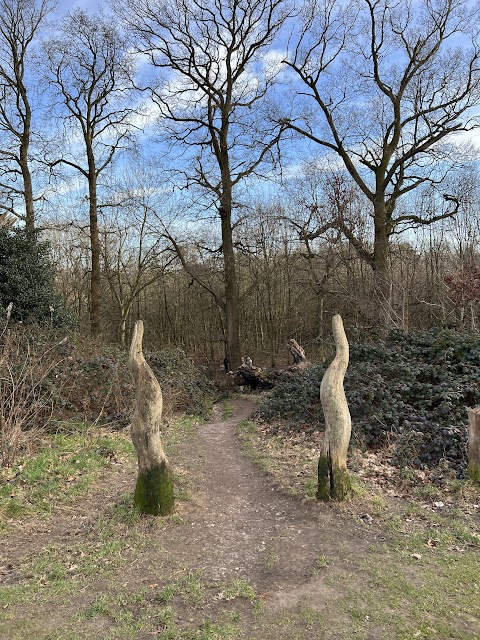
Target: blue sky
(90, 5)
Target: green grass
(227, 409)
(239, 589)
(69, 463)
(435, 597)
(247, 431)
(181, 430)
(64, 469)
(174, 611)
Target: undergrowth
(49, 377)
(412, 391)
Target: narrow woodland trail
(243, 526)
(236, 524)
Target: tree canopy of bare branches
(385, 84)
(213, 78)
(20, 21)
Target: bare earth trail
(244, 526)
(239, 525)
(299, 557)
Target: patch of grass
(179, 431)
(215, 631)
(310, 486)
(165, 595)
(321, 562)
(312, 619)
(418, 590)
(239, 589)
(193, 589)
(271, 558)
(293, 467)
(67, 465)
(227, 409)
(101, 606)
(166, 616)
(247, 431)
(124, 511)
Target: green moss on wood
(474, 471)
(323, 488)
(341, 484)
(154, 490)
(333, 482)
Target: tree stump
(474, 444)
(154, 488)
(333, 478)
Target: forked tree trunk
(154, 489)
(333, 478)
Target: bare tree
(213, 79)
(20, 21)
(88, 68)
(132, 249)
(386, 84)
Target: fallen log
(255, 377)
(248, 375)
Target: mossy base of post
(323, 487)
(154, 491)
(474, 472)
(333, 481)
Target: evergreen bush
(27, 278)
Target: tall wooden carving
(154, 488)
(474, 444)
(333, 477)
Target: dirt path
(241, 526)
(237, 525)
(245, 525)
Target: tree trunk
(24, 147)
(123, 330)
(232, 314)
(94, 246)
(474, 444)
(381, 266)
(27, 184)
(154, 488)
(333, 477)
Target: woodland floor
(240, 558)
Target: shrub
(185, 385)
(413, 390)
(97, 385)
(27, 278)
(27, 365)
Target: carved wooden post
(474, 444)
(333, 477)
(154, 489)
